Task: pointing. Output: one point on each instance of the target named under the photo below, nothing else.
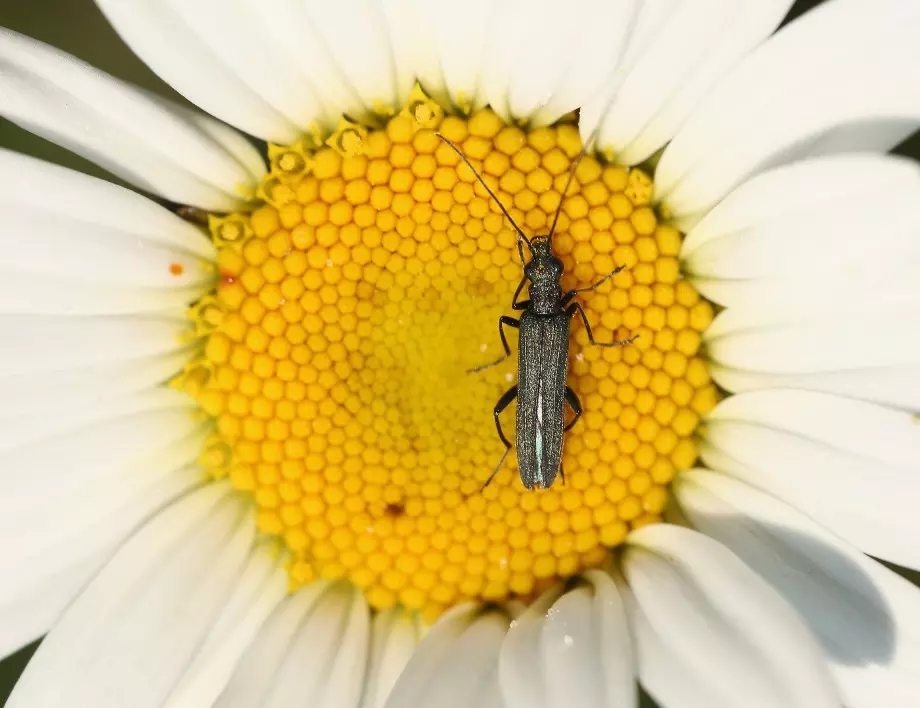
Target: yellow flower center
(352, 303)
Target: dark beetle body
(543, 353)
(543, 359)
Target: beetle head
(543, 265)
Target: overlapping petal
(570, 650)
(142, 619)
(721, 623)
(445, 54)
(863, 347)
(845, 70)
(865, 616)
(45, 574)
(38, 392)
(147, 141)
(50, 343)
(819, 230)
(673, 681)
(272, 74)
(74, 244)
(126, 247)
(853, 466)
(75, 485)
(677, 50)
(456, 664)
(542, 61)
(394, 636)
(261, 586)
(312, 651)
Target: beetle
(543, 352)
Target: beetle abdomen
(542, 364)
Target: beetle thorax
(544, 272)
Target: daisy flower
(242, 463)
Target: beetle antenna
(575, 163)
(501, 206)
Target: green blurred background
(77, 26)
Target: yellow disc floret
(349, 308)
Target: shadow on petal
(828, 584)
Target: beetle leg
(503, 320)
(572, 399)
(576, 307)
(502, 404)
(567, 298)
(515, 305)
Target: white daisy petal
(853, 466)
(110, 220)
(672, 681)
(33, 610)
(865, 615)
(355, 32)
(798, 233)
(699, 42)
(49, 343)
(311, 652)
(22, 291)
(567, 647)
(142, 139)
(72, 493)
(589, 63)
(176, 52)
(570, 651)
(326, 663)
(80, 386)
(24, 430)
(341, 686)
(262, 585)
(123, 267)
(456, 664)
(41, 585)
(869, 136)
(779, 101)
(293, 29)
(40, 187)
(256, 672)
(230, 139)
(896, 384)
(521, 684)
(415, 54)
(724, 622)
(819, 347)
(449, 49)
(617, 665)
(541, 61)
(143, 617)
(394, 637)
(92, 521)
(222, 29)
(649, 18)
